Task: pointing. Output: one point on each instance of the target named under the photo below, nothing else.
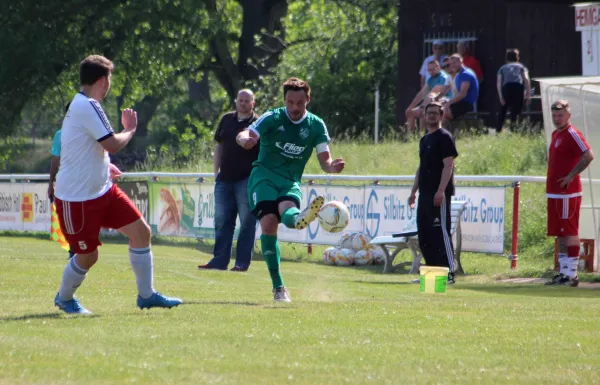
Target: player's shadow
(533, 290)
(384, 282)
(36, 316)
(225, 303)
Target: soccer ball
(333, 216)
(360, 241)
(378, 255)
(344, 257)
(363, 257)
(329, 255)
(345, 241)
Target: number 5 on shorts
(82, 245)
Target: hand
(564, 182)
(337, 166)
(527, 100)
(249, 143)
(129, 119)
(51, 192)
(114, 171)
(412, 200)
(438, 198)
(502, 102)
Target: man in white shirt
(438, 54)
(86, 198)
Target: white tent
(583, 94)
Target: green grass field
(345, 326)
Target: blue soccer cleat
(71, 306)
(158, 300)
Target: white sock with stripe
(573, 267)
(563, 264)
(142, 264)
(73, 276)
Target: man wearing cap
(569, 154)
(438, 54)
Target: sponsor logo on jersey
(291, 148)
(281, 129)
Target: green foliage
(11, 149)
(345, 50)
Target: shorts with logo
(563, 216)
(81, 221)
(266, 189)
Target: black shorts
(272, 207)
(459, 109)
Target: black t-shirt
(236, 162)
(433, 149)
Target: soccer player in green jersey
(287, 136)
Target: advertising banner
(188, 210)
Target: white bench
(408, 239)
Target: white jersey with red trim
(83, 174)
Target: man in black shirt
(435, 182)
(232, 166)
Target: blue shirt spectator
(467, 75)
(438, 80)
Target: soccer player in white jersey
(86, 198)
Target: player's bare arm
(117, 142)
(585, 160)
(329, 165)
(462, 93)
(247, 139)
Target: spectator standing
(464, 49)
(434, 180)
(514, 88)
(437, 54)
(569, 154)
(232, 167)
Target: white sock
(573, 264)
(73, 276)
(141, 262)
(563, 263)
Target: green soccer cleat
(310, 213)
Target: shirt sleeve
(264, 124)
(97, 123)
(579, 140)
(322, 136)
(448, 147)
(56, 144)
(219, 132)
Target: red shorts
(81, 221)
(563, 216)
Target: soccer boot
(555, 281)
(451, 278)
(310, 213)
(281, 294)
(568, 281)
(157, 300)
(71, 306)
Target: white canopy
(583, 94)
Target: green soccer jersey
(286, 146)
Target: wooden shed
(544, 32)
